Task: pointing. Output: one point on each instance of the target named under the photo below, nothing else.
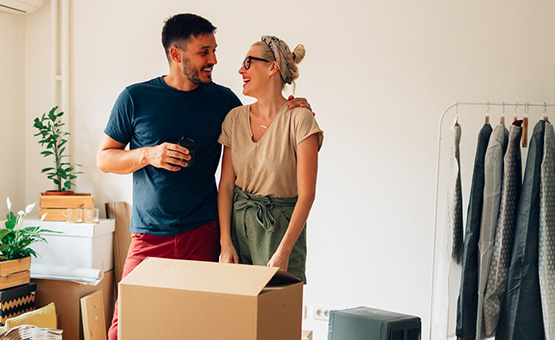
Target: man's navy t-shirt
(151, 113)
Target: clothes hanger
(456, 123)
(502, 119)
(545, 112)
(487, 115)
(515, 118)
(524, 125)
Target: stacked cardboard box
(78, 245)
(67, 295)
(85, 246)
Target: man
(174, 206)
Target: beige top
(268, 167)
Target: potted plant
(63, 173)
(14, 239)
(15, 251)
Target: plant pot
(58, 193)
(15, 272)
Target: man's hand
(298, 102)
(168, 156)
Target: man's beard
(193, 74)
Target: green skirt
(258, 225)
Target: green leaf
(4, 232)
(52, 138)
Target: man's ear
(175, 54)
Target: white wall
(37, 99)
(378, 75)
(12, 106)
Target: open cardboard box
(181, 299)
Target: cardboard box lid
(238, 279)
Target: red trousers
(201, 244)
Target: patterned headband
(280, 50)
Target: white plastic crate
(80, 245)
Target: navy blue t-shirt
(151, 113)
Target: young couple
(269, 164)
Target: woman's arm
(307, 168)
(225, 203)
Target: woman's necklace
(259, 119)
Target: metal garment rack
(526, 106)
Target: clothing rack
(526, 106)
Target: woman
(269, 165)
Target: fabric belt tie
(263, 206)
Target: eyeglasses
(249, 59)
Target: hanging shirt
(454, 210)
(467, 303)
(546, 249)
(493, 179)
(521, 314)
(449, 237)
(504, 234)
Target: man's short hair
(181, 27)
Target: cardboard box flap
(282, 277)
(201, 276)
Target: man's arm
(112, 157)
